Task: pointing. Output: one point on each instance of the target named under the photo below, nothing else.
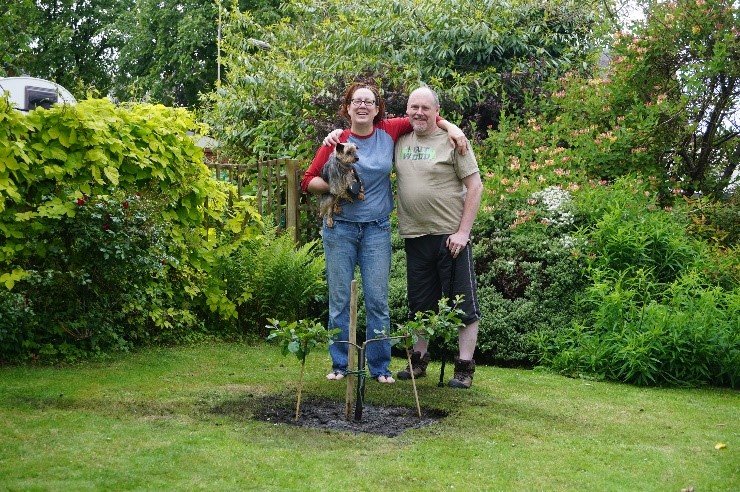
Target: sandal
(385, 379)
(335, 376)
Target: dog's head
(346, 153)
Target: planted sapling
(444, 326)
(299, 338)
(406, 335)
(441, 326)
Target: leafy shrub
(660, 107)
(271, 277)
(631, 238)
(299, 338)
(14, 315)
(715, 221)
(691, 339)
(99, 286)
(565, 141)
(657, 310)
(102, 228)
(528, 271)
(397, 287)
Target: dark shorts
(432, 273)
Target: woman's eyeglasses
(362, 102)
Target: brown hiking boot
(464, 370)
(420, 366)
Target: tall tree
(67, 41)
(685, 56)
(169, 48)
(15, 37)
(168, 53)
(284, 79)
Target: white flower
(567, 241)
(557, 203)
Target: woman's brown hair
(347, 100)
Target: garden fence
(275, 184)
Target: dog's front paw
(330, 222)
(361, 196)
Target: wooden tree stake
(351, 352)
(300, 390)
(413, 382)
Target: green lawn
(144, 421)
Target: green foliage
(681, 65)
(650, 247)
(689, 339)
(407, 334)
(115, 234)
(572, 137)
(102, 228)
(54, 158)
(269, 276)
(475, 53)
(169, 53)
(529, 271)
(299, 337)
(661, 106)
(14, 313)
(15, 40)
(714, 221)
(440, 327)
(69, 42)
(96, 287)
(443, 324)
(287, 280)
(658, 310)
(157, 51)
(397, 305)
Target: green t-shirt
(431, 193)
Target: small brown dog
(344, 183)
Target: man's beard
(419, 125)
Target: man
(439, 194)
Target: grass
(145, 421)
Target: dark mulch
(322, 413)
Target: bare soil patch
(322, 413)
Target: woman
(361, 235)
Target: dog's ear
(340, 147)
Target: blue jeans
(367, 245)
